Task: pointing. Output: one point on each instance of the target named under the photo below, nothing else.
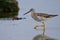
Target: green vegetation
(9, 15)
(8, 8)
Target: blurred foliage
(4, 5)
(9, 15)
(8, 9)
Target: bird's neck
(33, 12)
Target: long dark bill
(27, 12)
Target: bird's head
(29, 11)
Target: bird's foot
(36, 27)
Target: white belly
(34, 16)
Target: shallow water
(22, 30)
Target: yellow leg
(43, 25)
(36, 27)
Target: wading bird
(40, 17)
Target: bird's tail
(50, 16)
(53, 15)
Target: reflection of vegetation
(9, 15)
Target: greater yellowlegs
(40, 17)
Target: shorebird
(40, 17)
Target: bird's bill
(27, 12)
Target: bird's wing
(46, 15)
(50, 16)
(42, 14)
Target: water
(22, 30)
